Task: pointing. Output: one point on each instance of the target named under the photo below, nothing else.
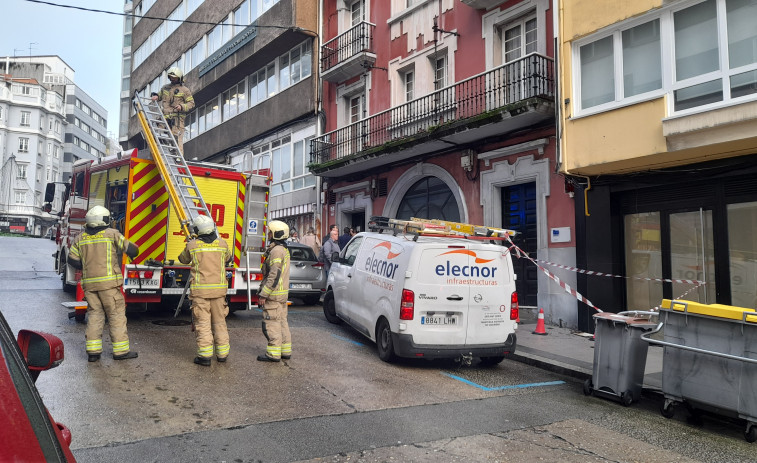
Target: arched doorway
(429, 198)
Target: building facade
(250, 67)
(32, 130)
(445, 109)
(658, 109)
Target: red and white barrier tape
(523, 254)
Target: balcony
(482, 4)
(348, 54)
(509, 98)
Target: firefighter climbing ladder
(181, 186)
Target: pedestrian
(97, 253)
(294, 238)
(273, 294)
(345, 238)
(326, 238)
(177, 102)
(329, 248)
(209, 254)
(311, 240)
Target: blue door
(519, 214)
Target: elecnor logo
(380, 266)
(472, 271)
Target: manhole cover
(172, 322)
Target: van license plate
(300, 286)
(438, 320)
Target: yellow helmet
(175, 71)
(98, 216)
(279, 230)
(203, 225)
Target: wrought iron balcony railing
(344, 46)
(490, 91)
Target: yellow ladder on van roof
(468, 229)
(440, 227)
(181, 186)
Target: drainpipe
(317, 214)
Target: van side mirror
(49, 193)
(41, 351)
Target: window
(26, 117)
(23, 145)
(21, 174)
(198, 53)
(214, 39)
(49, 149)
(429, 197)
(20, 197)
(711, 51)
(57, 127)
(281, 166)
(519, 39)
(440, 72)
(56, 152)
(357, 12)
(1, 113)
(409, 83)
(241, 16)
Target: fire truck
(153, 197)
(131, 188)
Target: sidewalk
(571, 353)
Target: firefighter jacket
(208, 260)
(98, 253)
(171, 95)
(275, 284)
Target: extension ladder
(181, 186)
(438, 227)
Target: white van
(426, 296)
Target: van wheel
(491, 361)
(329, 308)
(384, 341)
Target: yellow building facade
(658, 133)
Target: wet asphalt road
(334, 401)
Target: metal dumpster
(709, 359)
(620, 355)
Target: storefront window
(742, 253)
(693, 255)
(643, 260)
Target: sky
(88, 42)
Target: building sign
(249, 33)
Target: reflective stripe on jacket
(173, 94)
(208, 262)
(100, 256)
(275, 284)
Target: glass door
(692, 255)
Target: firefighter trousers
(276, 330)
(101, 304)
(210, 324)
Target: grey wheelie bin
(709, 360)
(620, 356)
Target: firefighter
(273, 294)
(97, 253)
(177, 101)
(209, 254)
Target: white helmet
(203, 225)
(278, 229)
(175, 71)
(98, 216)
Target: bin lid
(636, 322)
(711, 310)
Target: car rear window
(302, 254)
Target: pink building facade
(445, 109)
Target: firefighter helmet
(98, 216)
(176, 72)
(279, 230)
(203, 225)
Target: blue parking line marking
(502, 388)
(348, 340)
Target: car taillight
(407, 306)
(149, 274)
(514, 306)
(317, 265)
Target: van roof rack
(434, 227)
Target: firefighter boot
(204, 361)
(128, 355)
(265, 358)
(93, 357)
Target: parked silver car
(307, 279)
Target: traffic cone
(79, 292)
(540, 324)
